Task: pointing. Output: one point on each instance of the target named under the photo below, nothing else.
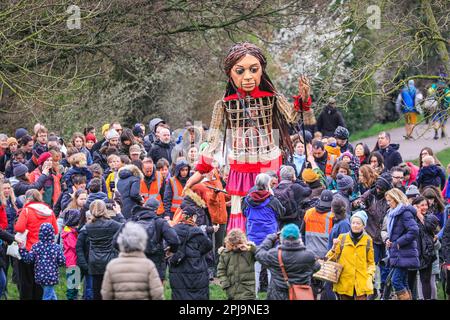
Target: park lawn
(375, 129)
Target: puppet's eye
(240, 71)
(254, 69)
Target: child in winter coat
(236, 268)
(115, 164)
(430, 174)
(47, 258)
(79, 166)
(70, 236)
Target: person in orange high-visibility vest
(317, 225)
(174, 188)
(151, 184)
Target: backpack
(286, 196)
(153, 244)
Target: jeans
(2, 282)
(257, 273)
(49, 293)
(379, 255)
(399, 279)
(88, 289)
(97, 280)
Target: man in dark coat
(158, 230)
(188, 274)
(300, 263)
(151, 137)
(129, 187)
(293, 193)
(329, 119)
(162, 148)
(388, 150)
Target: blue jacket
(432, 175)
(129, 186)
(46, 256)
(262, 211)
(342, 226)
(403, 234)
(76, 170)
(11, 215)
(95, 196)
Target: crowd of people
(118, 213)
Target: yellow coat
(111, 177)
(358, 266)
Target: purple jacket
(404, 235)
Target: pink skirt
(239, 183)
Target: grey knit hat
(412, 191)
(20, 170)
(344, 182)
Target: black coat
(391, 156)
(299, 262)
(129, 186)
(21, 187)
(329, 119)
(161, 150)
(446, 243)
(7, 239)
(100, 234)
(165, 236)
(297, 194)
(189, 280)
(432, 175)
(82, 249)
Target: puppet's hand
(303, 87)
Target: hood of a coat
(330, 110)
(130, 170)
(431, 223)
(256, 198)
(163, 144)
(143, 213)
(180, 165)
(46, 233)
(41, 209)
(153, 123)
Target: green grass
(215, 291)
(376, 129)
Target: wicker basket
(329, 271)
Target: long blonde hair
(398, 196)
(12, 196)
(76, 195)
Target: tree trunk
(441, 45)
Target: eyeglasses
(401, 178)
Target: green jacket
(236, 272)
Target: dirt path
(409, 149)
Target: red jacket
(3, 218)
(31, 217)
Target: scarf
(356, 236)
(390, 218)
(447, 190)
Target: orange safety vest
(177, 189)
(153, 191)
(317, 229)
(331, 160)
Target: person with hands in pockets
(354, 251)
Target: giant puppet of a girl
(252, 109)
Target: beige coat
(131, 276)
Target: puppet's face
(246, 73)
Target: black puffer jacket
(425, 242)
(446, 243)
(391, 155)
(82, 249)
(164, 232)
(189, 280)
(299, 262)
(7, 238)
(296, 193)
(329, 119)
(100, 234)
(129, 186)
(161, 150)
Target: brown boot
(403, 295)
